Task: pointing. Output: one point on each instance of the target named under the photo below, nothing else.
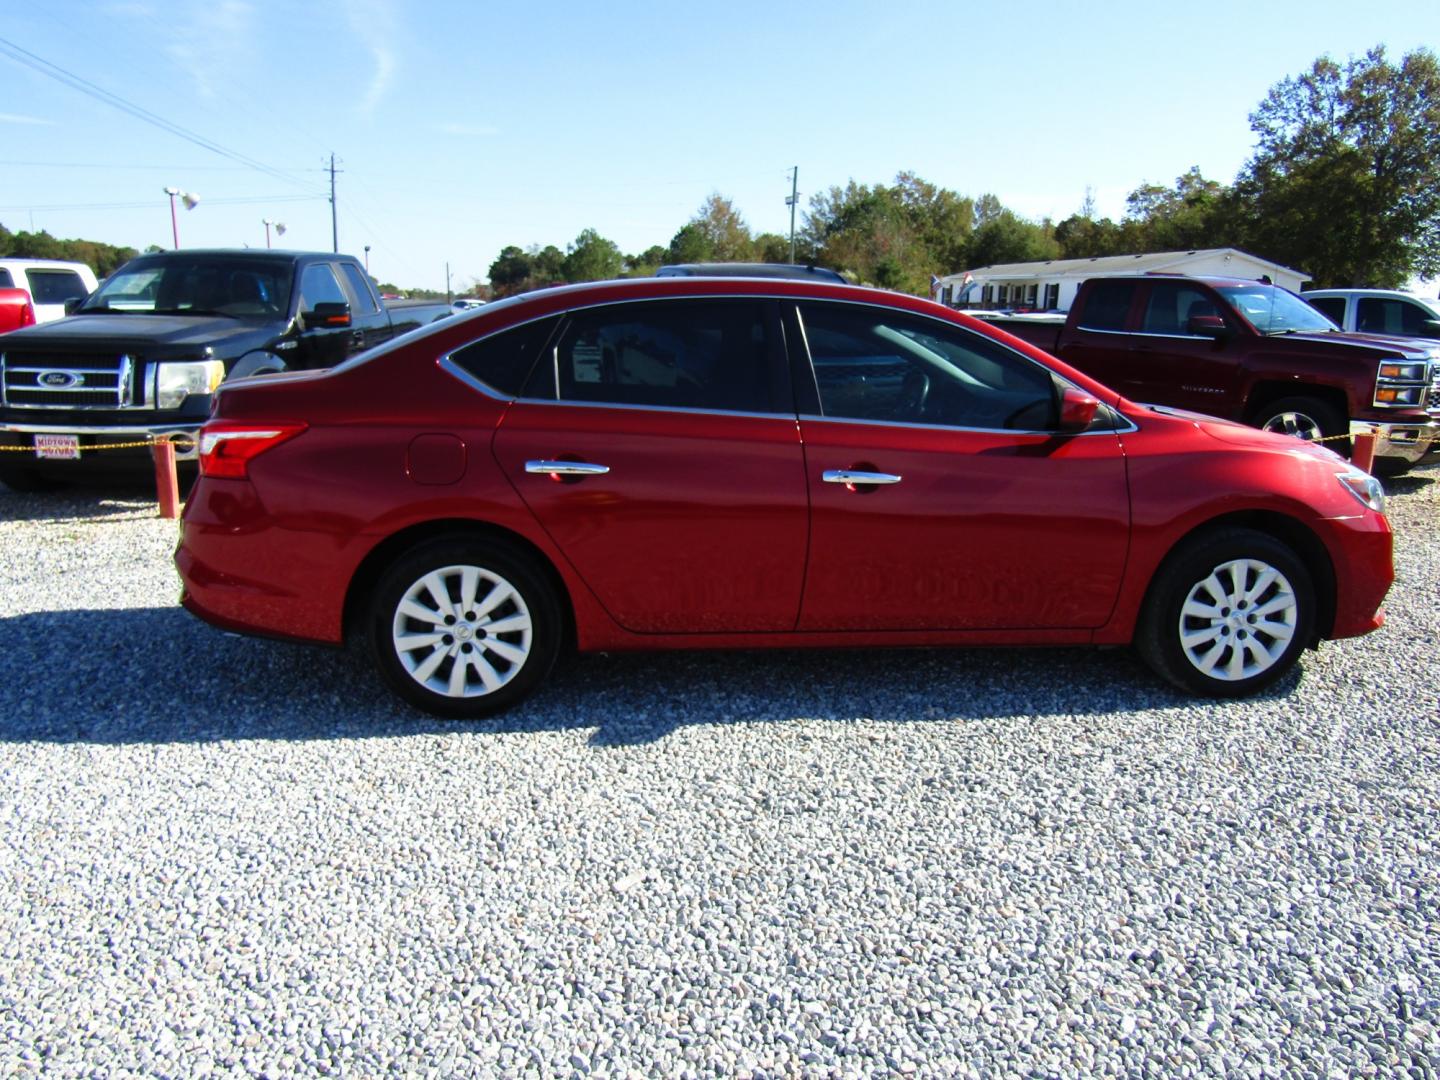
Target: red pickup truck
(1249, 351)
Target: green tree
(691, 245)
(511, 271)
(724, 230)
(1343, 181)
(593, 258)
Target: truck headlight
(175, 381)
(1403, 370)
(1364, 487)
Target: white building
(1051, 285)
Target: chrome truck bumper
(1405, 441)
(185, 436)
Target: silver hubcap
(1239, 620)
(462, 631)
(1294, 423)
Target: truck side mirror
(1211, 326)
(73, 302)
(325, 315)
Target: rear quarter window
(503, 361)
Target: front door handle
(566, 468)
(851, 477)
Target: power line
(246, 200)
(113, 165)
(84, 86)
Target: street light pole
(791, 201)
(367, 260)
(190, 199)
(174, 223)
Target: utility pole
(790, 202)
(334, 227)
(448, 297)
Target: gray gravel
(228, 856)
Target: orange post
(1362, 451)
(167, 484)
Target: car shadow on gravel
(79, 504)
(157, 675)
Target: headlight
(1408, 371)
(175, 381)
(1364, 487)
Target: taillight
(227, 447)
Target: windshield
(202, 285)
(1272, 310)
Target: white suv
(49, 282)
(1378, 311)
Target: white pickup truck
(50, 282)
(1378, 311)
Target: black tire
(1306, 418)
(515, 661)
(25, 479)
(1235, 629)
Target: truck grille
(44, 381)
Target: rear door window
(55, 286)
(690, 354)
(6, 281)
(364, 296)
(1107, 305)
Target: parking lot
(232, 855)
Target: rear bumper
(1405, 441)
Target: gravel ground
(229, 856)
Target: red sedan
(732, 463)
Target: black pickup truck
(143, 354)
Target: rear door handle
(566, 468)
(851, 477)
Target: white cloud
(375, 24)
(206, 43)
(16, 118)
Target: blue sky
(463, 127)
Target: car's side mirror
(1211, 326)
(1077, 410)
(326, 316)
(73, 302)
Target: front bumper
(185, 435)
(1406, 441)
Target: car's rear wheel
(1227, 614)
(464, 628)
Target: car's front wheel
(464, 628)
(1227, 614)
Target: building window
(1052, 296)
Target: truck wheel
(24, 478)
(1227, 614)
(464, 628)
(1306, 418)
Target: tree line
(104, 259)
(1343, 184)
